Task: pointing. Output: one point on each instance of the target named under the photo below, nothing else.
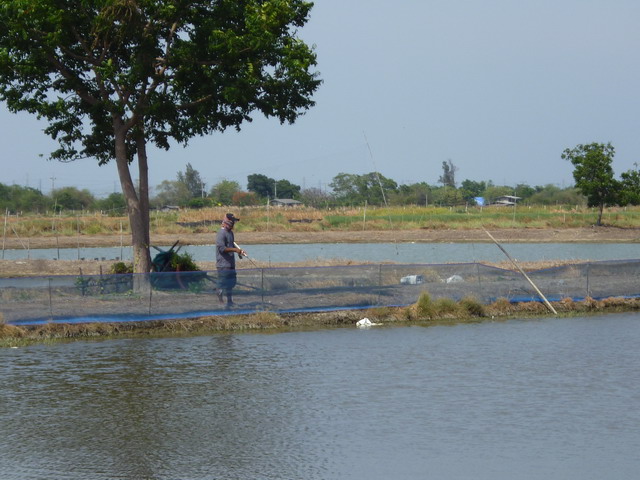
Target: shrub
(447, 307)
(424, 307)
(473, 307)
(183, 262)
(121, 268)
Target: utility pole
(53, 179)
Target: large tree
(593, 174)
(113, 76)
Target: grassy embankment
(263, 219)
(425, 312)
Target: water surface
(537, 399)
(411, 253)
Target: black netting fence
(133, 297)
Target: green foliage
(183, 262)
(630, 188)
(121, 268)
(448, 177)
(172, 192)
(223, 191)
(110, 78)
(267, 187)
(70, 198)
(286, 189)
(114, 205)
(471, 189)
(16, 198)
(552, 195)
(447, 307)
(593, 174)
(261, 185)
(473, 307)
(192, 181)
(425, 307)
(492, 192)
(372, 188)
(447, 196)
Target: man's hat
(231, 217)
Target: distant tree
(524, 191)
(223, 192)
(448, 178)
(198, 202)
(245, 199)
(446, 195)
(70, 198)
(630, 188)
(372, 188)
(192, 180)
(112, 77)
(593, 174)
(115, 203)
(470, 189)
(492, 192)
(413, 194)
(344, 187)
(553, 195)
(172, 192)
(261, 185)
(286, 189)
(315, 197)
(17, 198)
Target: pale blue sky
(499, 87)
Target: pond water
(536, 399)
(374, 252)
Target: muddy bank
(501, 310)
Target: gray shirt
(225, 239)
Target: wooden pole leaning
(546, 302)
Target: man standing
(225, 258)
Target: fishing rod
(240, 255)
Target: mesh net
(134, 297)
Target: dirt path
(568, 235)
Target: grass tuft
(473, 307)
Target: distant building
(285, 202)
(505, 201)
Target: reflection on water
(553, 398)
(416, 253)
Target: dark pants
(227, 279)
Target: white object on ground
(365, 323)
(455, 279)
(412, 280)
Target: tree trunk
(600, 210)
(137, 204)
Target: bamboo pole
(4, 231)
(546, 302)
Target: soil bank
(603, 234)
